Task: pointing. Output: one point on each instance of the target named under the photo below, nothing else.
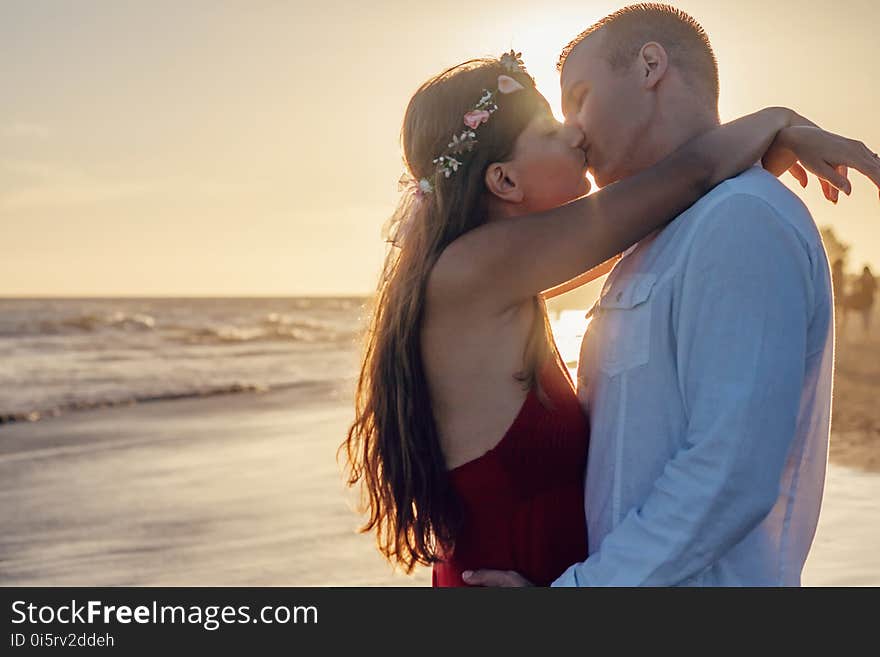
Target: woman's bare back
(471, 359)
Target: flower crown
(449, 161)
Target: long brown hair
(393, 448)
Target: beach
(244, 489)
(233, 490)
(855, 412)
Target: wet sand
(235, 490)
(845, 551)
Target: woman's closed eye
(551, 127)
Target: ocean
(61, 355)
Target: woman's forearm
(684, 176)
(734, 147)
(523, 256)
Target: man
(706, 370)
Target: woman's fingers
(828, 190)
(832, 180)
(830, 157)
(799, 173)
(866, 162)
(835, 184)
(865, 151)
(843, 170)
(871, 166)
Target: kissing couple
(692, 449)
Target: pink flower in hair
(507, 85)
(475, 117)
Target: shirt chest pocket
(624, 314)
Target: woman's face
(549, 164)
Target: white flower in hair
(485, 99)
(464, 142)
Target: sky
(252, 148)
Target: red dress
(523, 500)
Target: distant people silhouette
(863, 298)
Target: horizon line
(352, 295)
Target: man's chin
(604, 178)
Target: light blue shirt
(706, 373)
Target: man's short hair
(685, 41)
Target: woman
(468, 441)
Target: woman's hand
(828, 156)
(778, 159)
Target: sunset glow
(252, 149)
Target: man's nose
(575, 135)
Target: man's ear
(501, 181)
(654, 63)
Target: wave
(316, 387)
(274, 327)
(83, 323)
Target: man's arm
(741, 339)
(583, 279)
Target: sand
(235, 490)
(244, 490)
(845, 551)
(855, 421)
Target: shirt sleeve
(740, 329)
